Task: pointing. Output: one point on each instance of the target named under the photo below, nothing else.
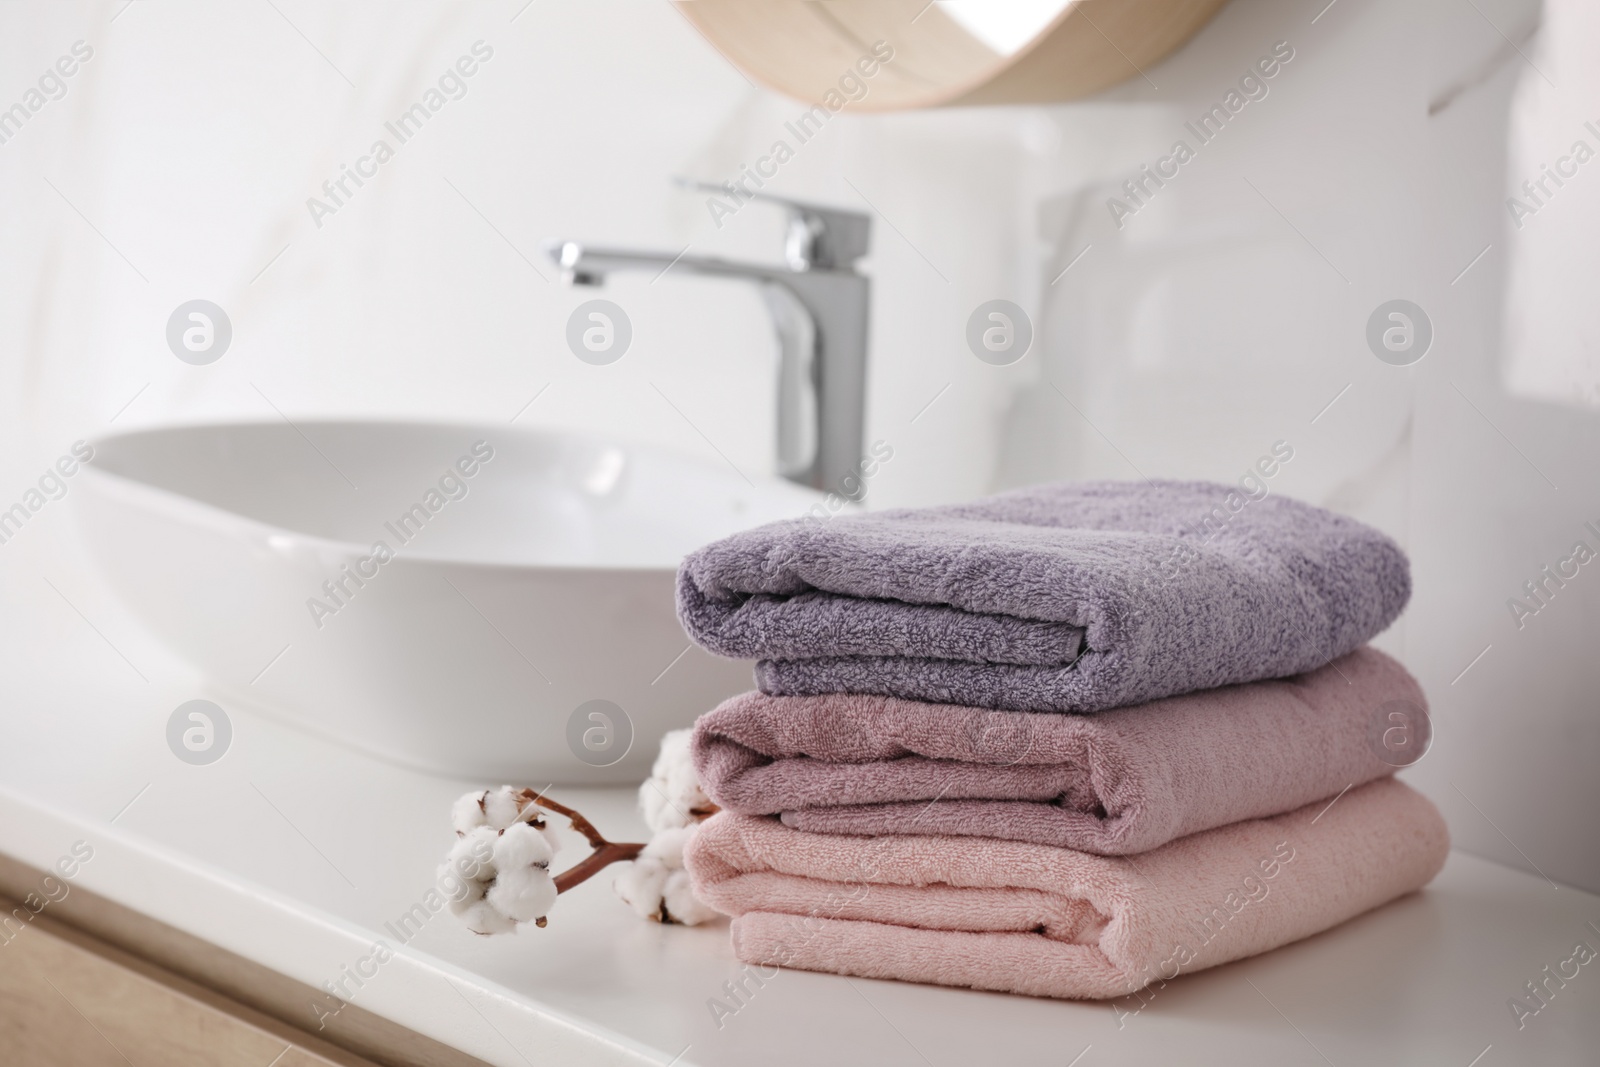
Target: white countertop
(294, 852)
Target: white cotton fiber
(672, 793)
(472, 852)
(483, 918)
(520, 845)
(523, 893)
(471, 859)
(667, 845)
(657, 887)
(475, 892)
(681, 902)
(466, 814)
(640, 883)
(500, 808)
(540, 821)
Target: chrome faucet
(818, 303)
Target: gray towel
(1065, 597)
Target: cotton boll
(667, 845)
(659, 811)
(472, 856)
(681, 903)
(538, 821)
(500, 808)
(483, 918)
(672, 793)
(475, 892)
(657, 887)
(521, 845)
(640, 885)
(471, 860)
(523, 893)
(466, 814)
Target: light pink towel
(1115, 783)
(1022, 918)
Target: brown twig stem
(605, 852)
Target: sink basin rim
(134, 490)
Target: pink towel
(1115, 783)
(1044, 921)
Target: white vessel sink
(539, 582)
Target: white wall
(1220, 318)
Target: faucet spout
(583, 264)
(820, 317)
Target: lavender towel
(1122, 782)
(1065, 597)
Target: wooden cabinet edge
(131, 996)
(218, 979)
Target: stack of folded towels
(1066, 741)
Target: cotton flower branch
(605, 852)
(504, 848)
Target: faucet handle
(819, 238)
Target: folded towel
(1121, 782)
(1047, 921)
(1069, 597)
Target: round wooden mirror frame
(808, 49)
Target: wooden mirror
(950, 53)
